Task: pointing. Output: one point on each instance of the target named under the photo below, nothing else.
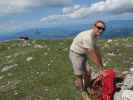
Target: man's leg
(82, 82)
(82, 88)
(79, 82)
(77, 62)
(86, 74)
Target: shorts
(79, 62)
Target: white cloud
(54, 18)
(107, 6)
(70, 9)
(17, 6)
(121, 9)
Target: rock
(6, 68)
(1, 77)
(45, 53)
(109, 40)
(29, 59)
(111, 54)
(10, 85)
(38, 46)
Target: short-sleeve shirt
(85, 39)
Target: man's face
(99, 28)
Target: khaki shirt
(85, 39)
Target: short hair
(100, 21)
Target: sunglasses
(100, 28)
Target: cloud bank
(107, 6)
(19, 6)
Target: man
(83, 46)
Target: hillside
(40, 70)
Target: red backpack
(103, 86)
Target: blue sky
(18, 15)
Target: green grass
(48, 73)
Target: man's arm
(99, 55)
(95, 56)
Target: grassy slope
(48, 73)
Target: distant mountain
(120, 23)
(115, 28)
(119, 32)
(52, 32)
(119, 28)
